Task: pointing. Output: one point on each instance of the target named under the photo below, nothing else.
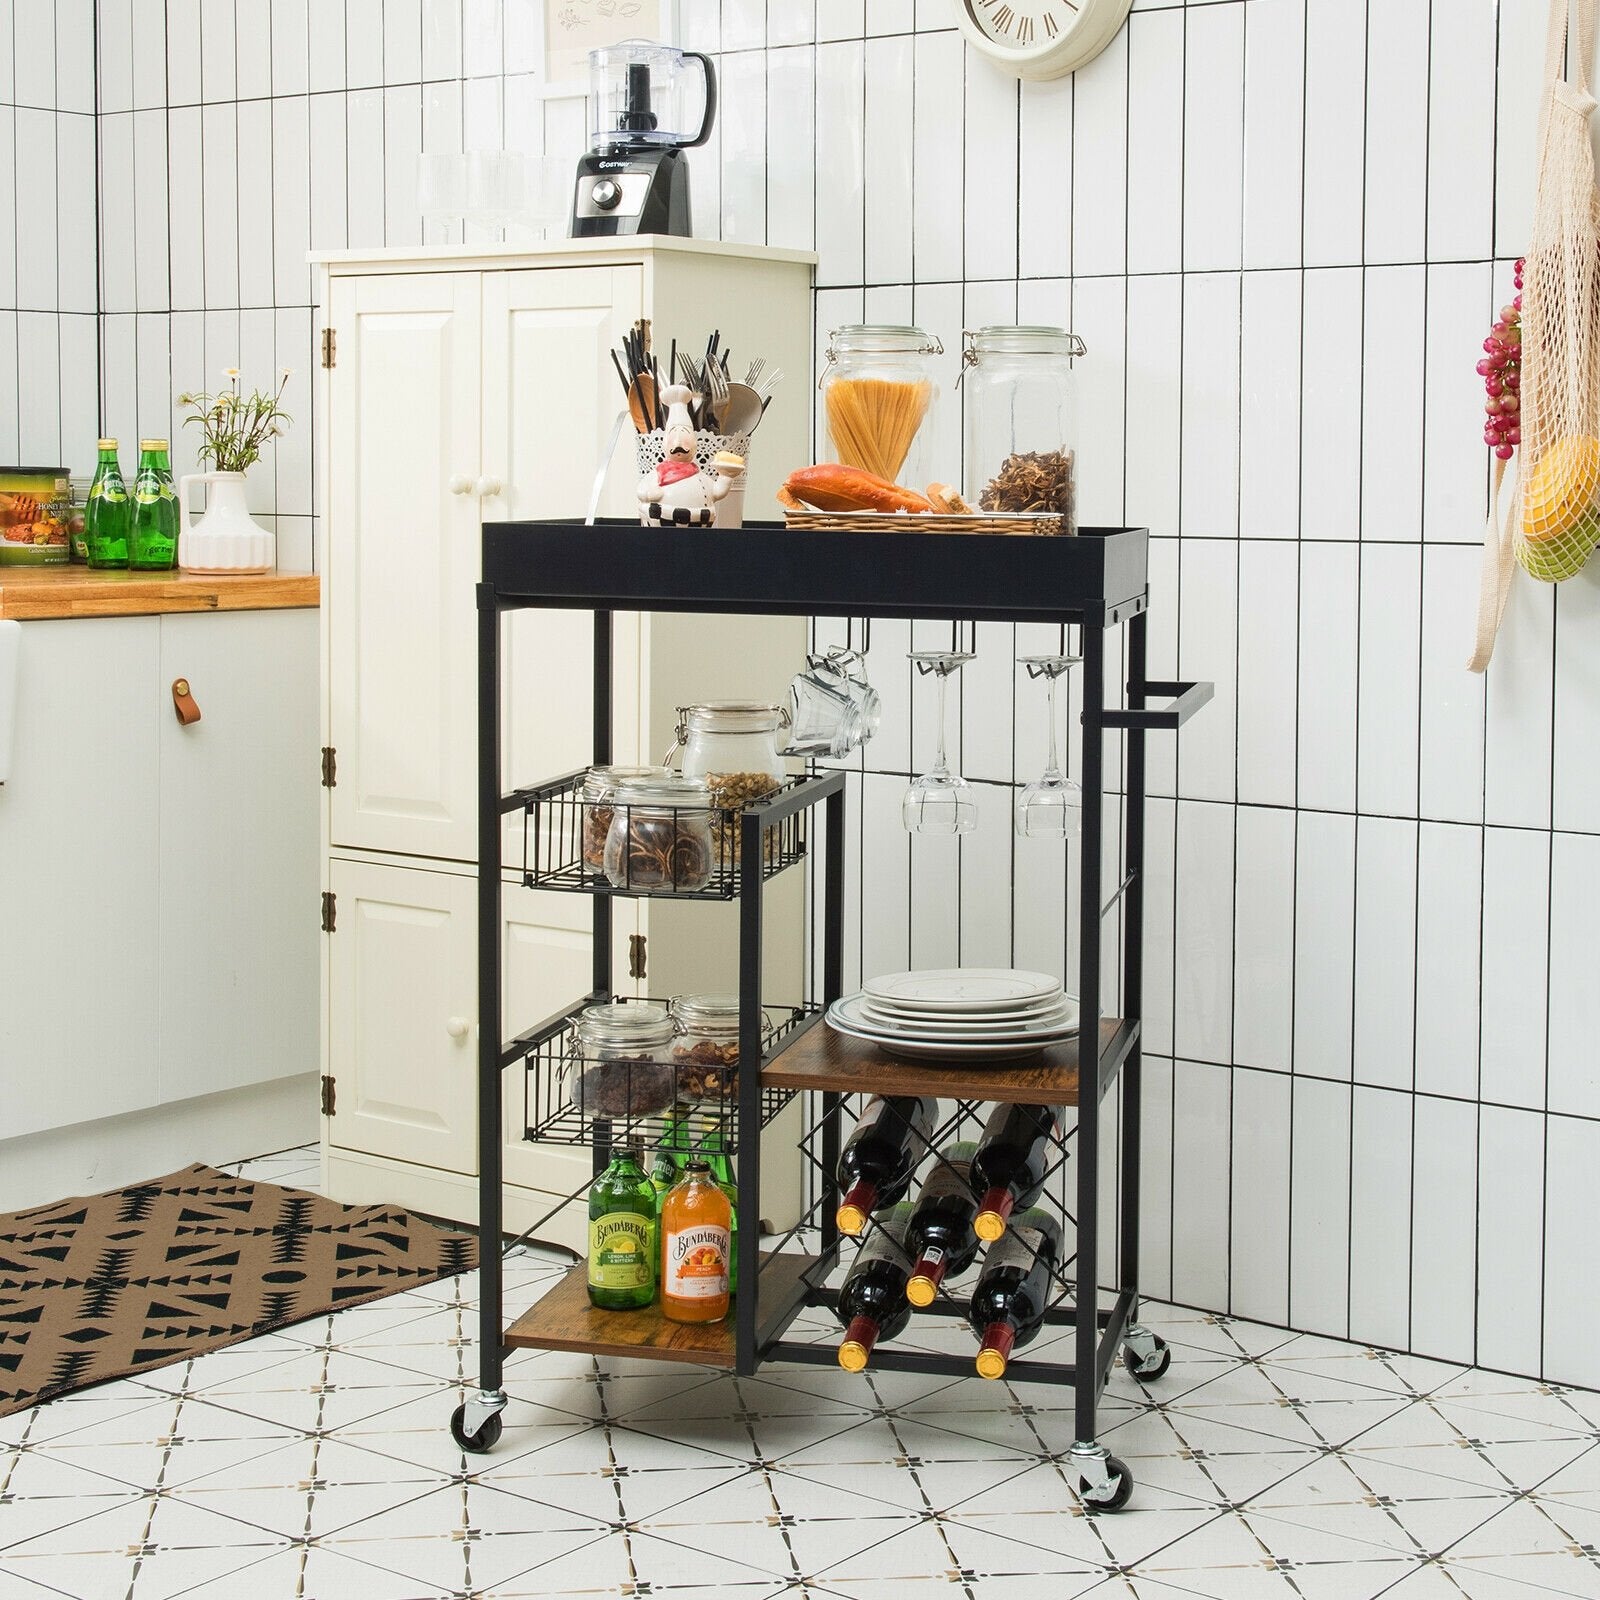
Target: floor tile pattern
(315, 1464)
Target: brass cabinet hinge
(327, 1095)
(330, 347)
(330, 911)
(636, 955)
(330, 767)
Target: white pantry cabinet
(463, 387)
(158, 898)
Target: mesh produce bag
(1556, 526)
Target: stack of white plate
(959, 1013)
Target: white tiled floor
(316, 1465)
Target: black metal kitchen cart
(1094, 583)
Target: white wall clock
(1041, 38)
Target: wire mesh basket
(600, 847)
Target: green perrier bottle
(622, 1234)
(670, 1155)
(711, 1145)
(153, 536)
(105, 518)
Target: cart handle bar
(1187, 698)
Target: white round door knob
(457, 1027)
(460, 484)
(488, 488)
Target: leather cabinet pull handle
(183, 703)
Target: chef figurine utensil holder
(675, 488)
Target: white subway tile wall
(1281, 227)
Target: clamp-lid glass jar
(660, 834)
(733, 745)
(620, 1060)
(599, 785)
(707, 1047)
(1020, 421)
(878, 393)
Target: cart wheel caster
(485, 1439)
(1112, 1494)
(1148, 1367)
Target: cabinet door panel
(79, 863)
(548, 411)
(403, 556)
(545, 945)
(401, 977)
(239, 903)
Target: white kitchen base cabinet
(468, 386)
(158, 899)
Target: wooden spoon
(642, 402)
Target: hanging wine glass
(940, 801)
(1051, 807)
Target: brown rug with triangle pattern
(111, 1285)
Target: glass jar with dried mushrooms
(1020, 421)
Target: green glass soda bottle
(712, 1146)
(105, 520)
(670, 1153)
(623, 1243)
(153, 532)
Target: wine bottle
(872, 1298)
(876, 1165)
(939, 1237)
(1009, 1167)
(1008, 1304)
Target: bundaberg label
(619, 1251)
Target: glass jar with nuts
(706, 1051)
(733, 745)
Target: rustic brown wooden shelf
(823, 1059)
(36, 593)
(564, 1320)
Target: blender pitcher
(635, 177)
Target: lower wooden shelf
(820, 1058)
(564, 1320)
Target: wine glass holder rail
(663, 850)
(1094, 582)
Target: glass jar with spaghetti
(878, 394)
(1020, 421)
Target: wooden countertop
(33, 593)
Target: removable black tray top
(766, 567)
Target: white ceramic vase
(224, 540)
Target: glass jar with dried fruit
(706, 1051)
(733, 746)
(599, 785)
(659, 840)
(1020, 421)
(619, 1064)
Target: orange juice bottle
(696, 1221)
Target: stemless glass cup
(1051, 807)
(940, 801)
(835, 708)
